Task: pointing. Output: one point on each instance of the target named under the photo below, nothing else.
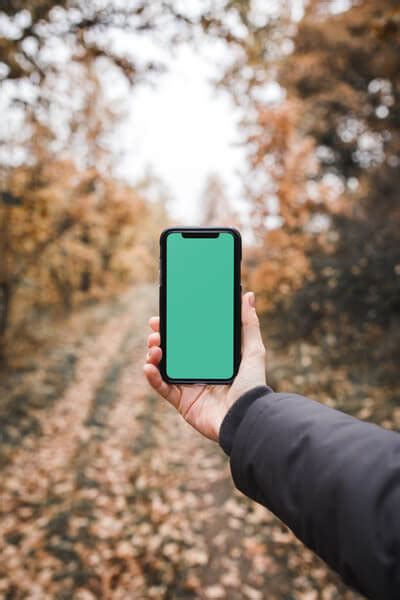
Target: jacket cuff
(235, 415)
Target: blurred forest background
(96, 497)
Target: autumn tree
(345, 71)
(282, 166)
(68, 234)
(215, 205)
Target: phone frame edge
(236, 307)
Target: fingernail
(149, 354)
(252, 299)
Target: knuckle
(257, 351)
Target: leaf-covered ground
(107, 493)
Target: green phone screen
(200, 306)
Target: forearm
(334, 480)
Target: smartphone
(200, 304)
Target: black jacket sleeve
(334, 480)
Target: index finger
(154, 323)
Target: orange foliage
(283, 162)
(69, 235)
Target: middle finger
(153, 340)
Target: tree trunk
(63, 287)
(5, 305)
(86, 281)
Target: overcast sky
(183, 130)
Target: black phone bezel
(202, 232)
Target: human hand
(205, 406)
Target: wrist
(220, 417)
(236, 414)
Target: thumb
(252, 343)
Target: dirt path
(111, 495)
